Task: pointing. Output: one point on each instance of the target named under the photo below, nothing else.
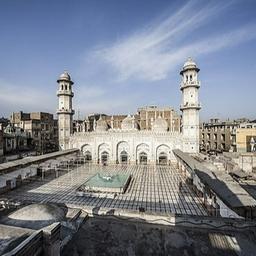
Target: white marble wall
(133, 142)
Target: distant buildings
(246, 137)
(228, 136)
(218, 136)
(1, 145)
(15, 140)
(144, 119)
(41, 127)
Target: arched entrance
(104, 157)
(143, 158)
(142, 153)
(88, 156)
(163, 159)
(124, 157)
(122, 152)
(163, 154)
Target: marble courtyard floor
(155, 188)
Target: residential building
(218, 136)
(246, 137)
(41, 127)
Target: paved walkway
(156, 188)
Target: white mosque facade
(129, 144)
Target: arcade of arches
(123, 154)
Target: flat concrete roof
(229, 191)
(117, 236)
(34, 159)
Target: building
(1, 145)
(135, 141)
(144, 118)
(15, 140)
(218, 136)
(246, 137)
(41, 127)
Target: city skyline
(134, 61)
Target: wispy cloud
(152, 52)
(17, 97)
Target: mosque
(129, 144)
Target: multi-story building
(1, 144)
(41, 127)
(246, 137)
(15, 140)
(218, 136)
(147, 116)
(144, 118)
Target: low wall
(42, 242)
(172, 219)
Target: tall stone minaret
(65, 111)
(190, 106)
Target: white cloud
(18, 97)
(151, 53)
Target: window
(66, 87)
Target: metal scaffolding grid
(159, 189)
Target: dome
(189, 64)
(101, 125)
(36, 215)
(65, 77)
(129, 123)
(160, 125)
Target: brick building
(41, 127)
(218, 136)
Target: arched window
(88, 156)
(104, 157)
(123, 157)
(66, 87)
(143, 158)
(162, 159)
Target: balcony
(190, 106)
(187, 84)
(65, 111)
(65, 92)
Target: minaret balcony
(65, 92)
(187, 84)
(196, 106)
(65, 111)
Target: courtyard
(153, 188)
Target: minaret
(65, 111)
(190, 106)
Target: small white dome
(65, 77)
(129, 123)
(189, 64)
(101, 125)
(160, 125)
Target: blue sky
(126, 54)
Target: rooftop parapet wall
(11, 166)
(227, 190)
(42, 242)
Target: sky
(123, 55)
